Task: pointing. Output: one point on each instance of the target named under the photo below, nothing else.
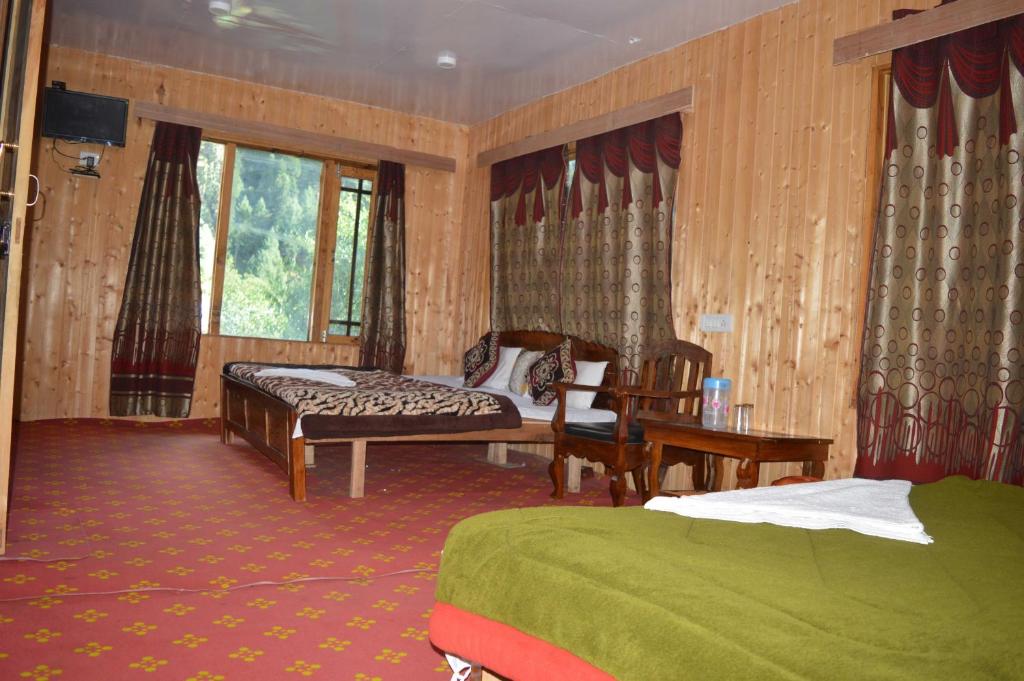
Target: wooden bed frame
(267, 423)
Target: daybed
(273, 426)
(632, 594)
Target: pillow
(506, 359)
(587, 373)
(481, 360)
(554, 366)
(519, 381)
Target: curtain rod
(290, 139)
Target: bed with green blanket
(640, 595)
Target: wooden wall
(773, 210)
(773, 202)
(81, 238)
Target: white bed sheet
(527, 409)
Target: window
(282, 243)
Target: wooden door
(22, 26)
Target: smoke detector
(220, 8)
(446, 59)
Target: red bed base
(505, 650)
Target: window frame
(331, 172)
(881, 92)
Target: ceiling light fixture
(633, 39)
(446, 59)
(219, 8)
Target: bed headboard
(581, 350)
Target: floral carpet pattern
(126, 510)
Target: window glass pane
(350, 257)
(208, 172)
(271, 244)
(349, 183)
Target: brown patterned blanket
(379, 404)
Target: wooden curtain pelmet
(296, 141)
(677, 101)
(916, 28)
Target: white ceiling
(383, 52)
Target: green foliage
(271, 242)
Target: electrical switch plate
(89, 159)
(716, 323)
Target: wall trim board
(916, 28)
(678, 100)
(290, 139)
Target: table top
(730, 433)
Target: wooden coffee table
(751, 447)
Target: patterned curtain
(156, 340)
(942, 380)
(526, 196)
(382, 334)
(618, 261)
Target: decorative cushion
(506, 360)
(481, 360)
(554, 366)
(519, 382)
(587, 373)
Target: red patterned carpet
(132, 506)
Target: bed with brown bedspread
(383, 407)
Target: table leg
(717, 473)
(357, 478)
(746, 474)
(653, 464)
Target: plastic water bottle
(715, 410)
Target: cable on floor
(237, 587)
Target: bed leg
(575, 472)
(497, 453)
(297, 468)
(358, 476)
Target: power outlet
(89, 159)
(716, 323)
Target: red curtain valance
(644, 143)
(978, 58)
(524, 172)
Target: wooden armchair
(619, 445)
(669, 389)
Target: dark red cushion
(554, 366)
(481, 360)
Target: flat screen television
(84, 117)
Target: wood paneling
(770, 216)
(770, 204)
(80, 242)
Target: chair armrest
(587, 388)
(632, 391)
(620, 407)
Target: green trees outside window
(271, 284)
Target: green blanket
(647, 596)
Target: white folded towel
(310, 375)
(879, 508)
